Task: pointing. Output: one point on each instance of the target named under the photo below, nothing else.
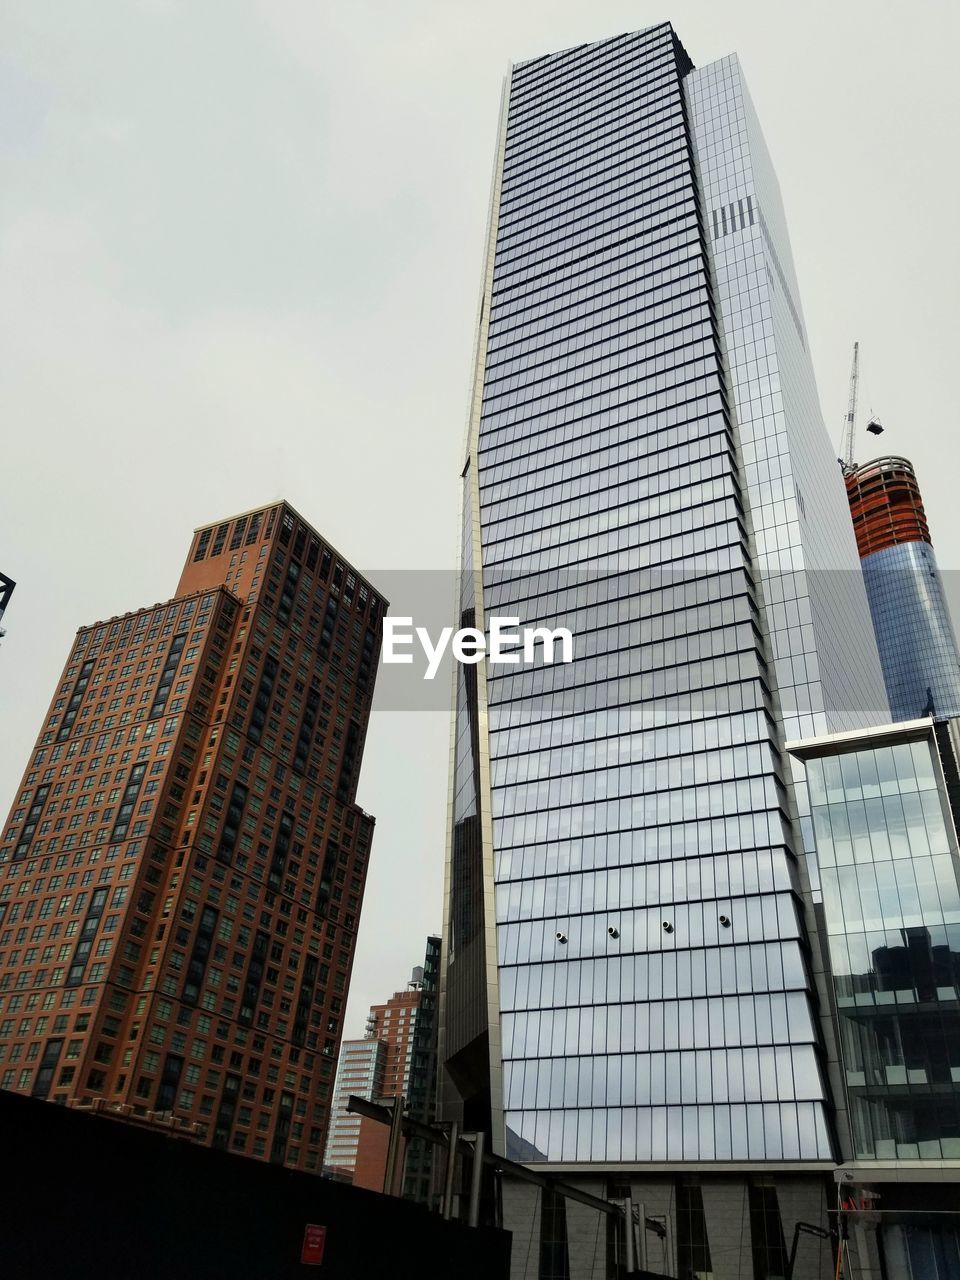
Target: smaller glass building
(883, 806)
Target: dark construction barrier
(89, 1196)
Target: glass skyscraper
(629, 991)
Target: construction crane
(847, 463)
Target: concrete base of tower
(895, 1223)
(690, 1225)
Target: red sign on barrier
(314, 1240)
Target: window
(766, 1231)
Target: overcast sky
(240, 247)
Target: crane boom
(847, 461)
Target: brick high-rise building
(394, 1022)
(182, 871)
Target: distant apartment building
(376, 1068)
(183, 867)
(359, 1074)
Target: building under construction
(915, 637)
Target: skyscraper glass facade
(814, 612)
(887, 847)
(620, 825)
(914, 631)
